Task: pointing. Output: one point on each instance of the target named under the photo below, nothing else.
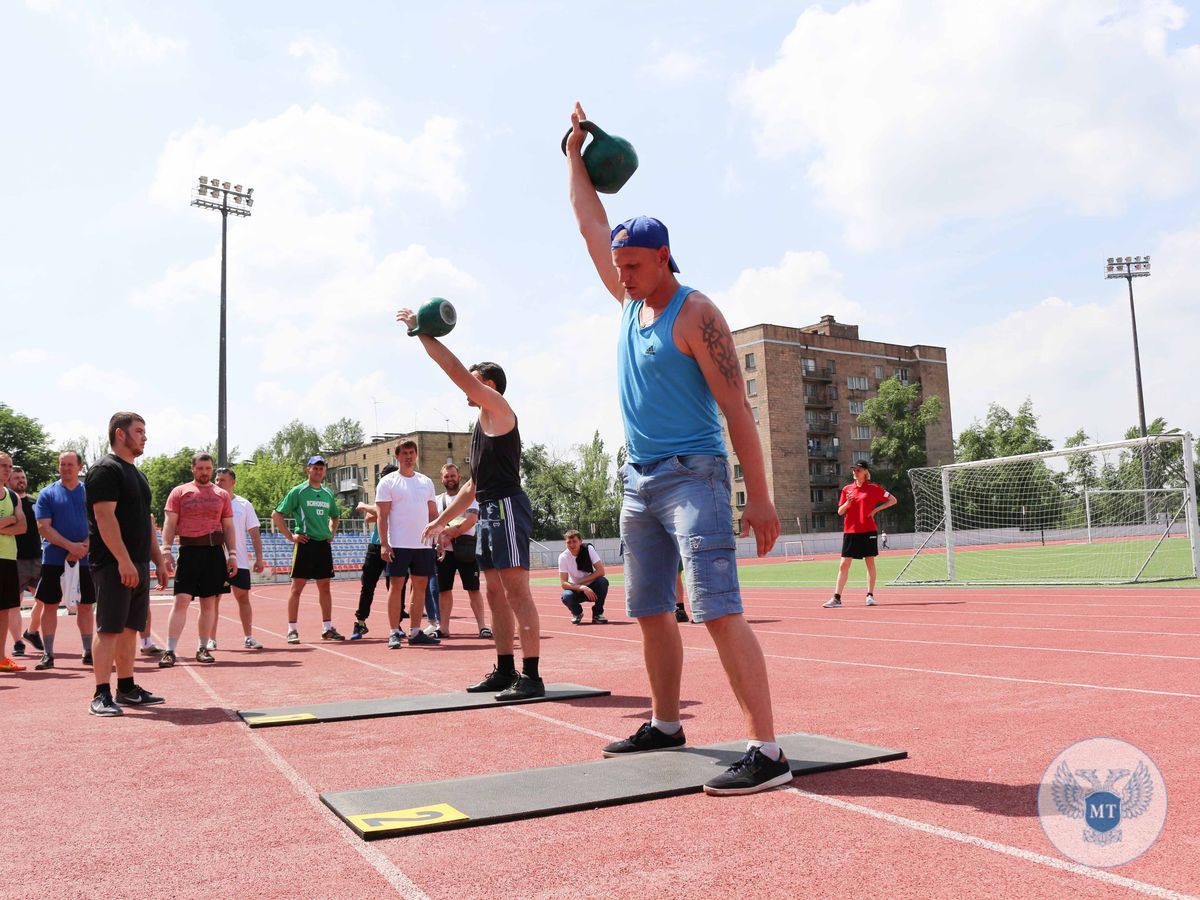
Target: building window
(754, 412)
(737, 472)
(810, 391)
(902, 374)
(741, 499)
(809, 366)
(817, 495)
(862, 432)
(752, 387)
(750, 361)
(856, 407)
(831, 392)
(377, 473)
(857, 382)
(818, 521)
(879, 372)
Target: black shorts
(28, 572)
(312, 560)
(240, 580)
(10, 587)
(860, 545)
(119, 607)
(459, 558)
(49, 589)
(504, 529)
(419, 561)
(201, 571)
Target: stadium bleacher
(348, 552)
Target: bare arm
(466, 494)
(256, 540)
(589, 211)
(463, 527)
(75, 550)
(708, 341)
(110, 531)
(384, 508)
(230, 545)
(18, 525)
(168, 530)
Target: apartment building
(806, 387)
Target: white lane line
(851, 637)
(875, 620)
(1102, 875)
(380, 863)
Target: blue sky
(952, 173)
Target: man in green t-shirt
(315, 512)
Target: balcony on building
(820, 424)
(815, 373)
(824, 479)
(823, 452)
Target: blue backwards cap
(643, 231)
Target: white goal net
(1101, 514)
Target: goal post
(793, 551)
(1113, 513)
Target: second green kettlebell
(610, 160)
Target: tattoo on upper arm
(719, 342)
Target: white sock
(769, 749)
(172, 644)
(293, 626)
(666, 727)
(328, 624)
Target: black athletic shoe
(681, 614)
(644, 740)
(203, 656)
(577, 620)
(34, 638)
(524, 688)
(103, 706)
(86, 659)
(18, 648)
(599, 620)
(752, 773)
(495, 680)
(138, 696)
(421, 639)
(360, 628)
(167, 660)
(46, 662)
(331, 634)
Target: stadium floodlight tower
(1129, 268)
(213, 193)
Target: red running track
(983, 688)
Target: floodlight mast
(222, 196)
(1129, 268)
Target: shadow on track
(985, 796)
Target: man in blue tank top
(676, 368)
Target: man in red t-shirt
(202, 515)
(859, 503)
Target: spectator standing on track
(121, 546)
(373, 566)
(316, 514)
(245, 524)
(505, 520)
(581, 577)
(12, 524)
(29, 550)
(202, 514)
(405, 503)
(457, 543)
(61, 516)
(859, 502)
(677, 369)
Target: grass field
(1054, 562)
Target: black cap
(862, 464)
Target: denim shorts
(679, 508)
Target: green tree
(263, 480)
(599, 502)
(294, 441)
(550, 484)
(90, 451)
(341, 434)
(1002, 434)
(900, 419)
(25, 439)
(164, 472)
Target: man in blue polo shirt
(61, 512)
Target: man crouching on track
(505, 519)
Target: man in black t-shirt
(121, 541)
(505, 520)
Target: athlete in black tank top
(495, 464)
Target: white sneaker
(832, 603)
(251, 644)
(212, 644)
(870, 599)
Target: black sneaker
(421, 639)
(331, 634)
(752, 773)
(360, 628)
(203, 656)
(86, 659)
(103, 705)
(18, 648)
(645, 739)
(524, 688)
(599, 620)
(681, 614)
(577, 620)
(495, 680)
(395, 640)
(167, 660)
(46, 662)
(138, 696)
(34, 638)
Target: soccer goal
(1113, 513)
(793, 551)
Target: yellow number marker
(255, 721)
(399, 819)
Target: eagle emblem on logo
(1098, 803)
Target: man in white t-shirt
(581, 574)
(457, 544)
(245, 522)
(405, 500)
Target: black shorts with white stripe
(503, 533)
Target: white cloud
(90, 380)
(801, 289)
(114, 43)
(1074, 358)
(916, 115)
(324, 60)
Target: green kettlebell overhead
(436, 317)
(610, 160)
